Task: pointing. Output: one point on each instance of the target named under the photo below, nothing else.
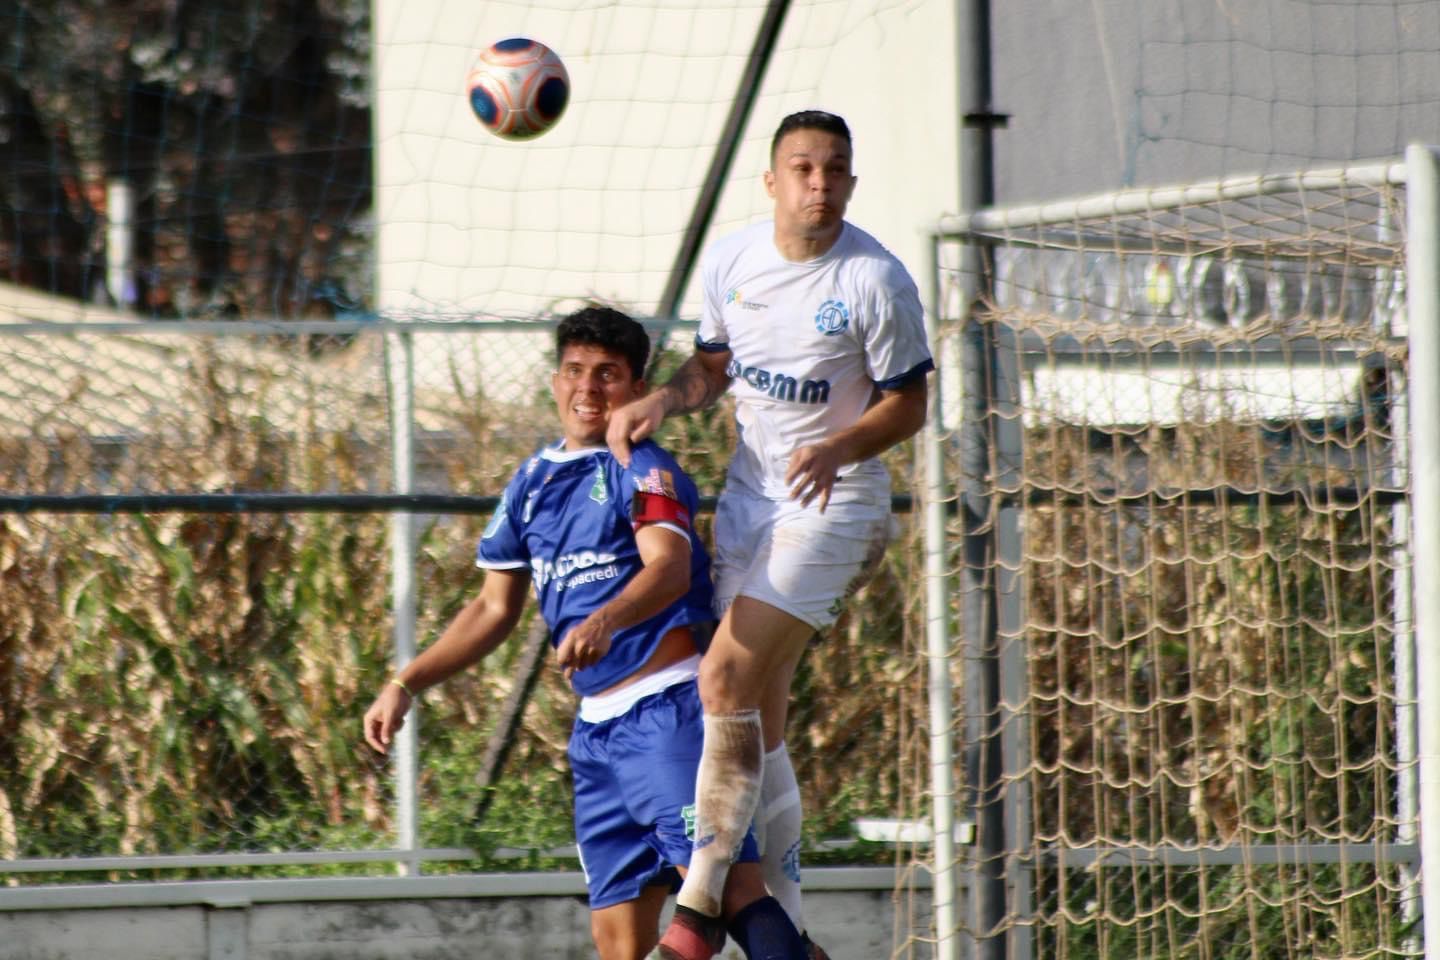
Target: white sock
(777, 828)
(727, 791)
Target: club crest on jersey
(833, 318)
(599, 492)
(497, 518)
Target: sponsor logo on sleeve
(657, 481)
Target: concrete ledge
(498, 917)
(232, 893)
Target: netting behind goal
(1178, 438)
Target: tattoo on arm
(694, 386)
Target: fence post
(985, 883)
(1422, 268)
(400, 379)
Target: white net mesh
(1182, 571)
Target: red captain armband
(658, 508)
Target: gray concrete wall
(850, 924)
(1121, 93)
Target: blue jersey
(566, 515)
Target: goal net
(1176, 427)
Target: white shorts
(795, 558)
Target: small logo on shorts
(687, 813)
(833, 318)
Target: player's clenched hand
(811, 474)
(584, 646)
(386, 716)
(632, 423)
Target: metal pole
(1407, 792)
(1422, 258)
(937, 648)
(1012, 711)
(1390, 322)
(985, 882)
(400, 363)
(689, 253)
(980, 429)
(120, 242)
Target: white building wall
(597, 207)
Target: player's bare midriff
(677, 644)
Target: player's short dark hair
(810, 120)
(608, 329)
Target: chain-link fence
(202, 532)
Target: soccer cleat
(691, 936)
(813, 950)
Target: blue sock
(764, 931)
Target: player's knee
(724, 686)
(615, 941)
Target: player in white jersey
(623, 583)
(808, 345)
(818, 333)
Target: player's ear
(769, 179)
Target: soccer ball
(518, 88)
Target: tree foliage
(242, 127)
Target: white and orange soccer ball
(518, 88)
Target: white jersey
(810, 343)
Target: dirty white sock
(727, 790)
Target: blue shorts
(635, 795)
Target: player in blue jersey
(624, 585)
(817, 332)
